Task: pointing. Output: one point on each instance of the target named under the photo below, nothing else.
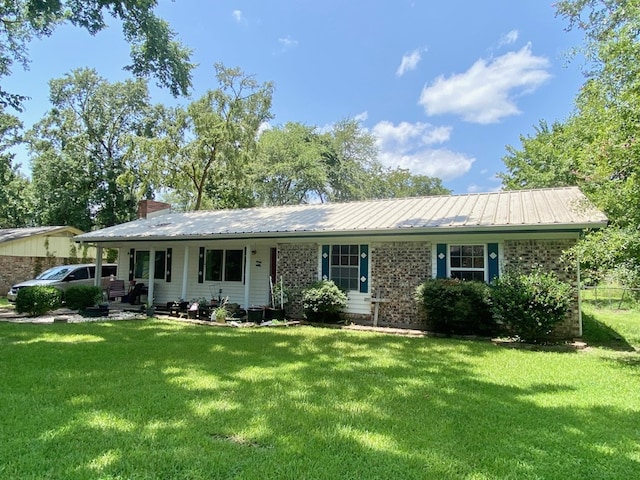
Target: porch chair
(116, 289)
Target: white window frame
(357, 267)
(485, 262)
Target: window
(345, 266)
(80, 274)
(467, 262)
(142, 264)
(224, 265)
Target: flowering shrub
(323, 301)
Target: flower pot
(272, 313)
(255, 314)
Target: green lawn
(158, 399)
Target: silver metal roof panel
(556, 208)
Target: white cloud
(441, 163)
(361, 117)
(237, 16)
(408, 145)
(409, 61)
(486, 92)
(406, 134)
(508, 38)
(264, 126)
(287, 42)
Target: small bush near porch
(159, 399)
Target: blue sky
(444, 86)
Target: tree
(154, 50)
(546, 159)
(597, 147)
(400, 182)
(85, 167)
(297, 164)
(216, 133)
(15, 205)
(350, 156)
(290, 169)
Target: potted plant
(220, 315)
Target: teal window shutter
(441, 262)
(132, 262)
(325, 262)
(492, 257)
(201, 266)
(364, 268)
(168, 267)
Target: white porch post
(152, 275)
(247, 276)
(97, 281)
(185, 272)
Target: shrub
(323, 301)
(530, 305)
(38, 300)
(455, 306)
(80, 297)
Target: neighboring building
(26, 252)
(380, 248)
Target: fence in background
(612, 297)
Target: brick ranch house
(375, 249)
(27, 252)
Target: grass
(160, 399)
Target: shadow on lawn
(156, 400)
(601, 335)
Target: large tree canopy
(154, 50)
(85, 168)
(15, 202)
(597, 147)
(215, 134)
(297, 163)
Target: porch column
(247, 276)
(185, 272)
(152, 275)
(97, 281)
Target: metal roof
(13, 234)
(542, 209)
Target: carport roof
(520, 210)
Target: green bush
(80, 297)
(530, 305)
(38, 300)
(323, 301)
(455, 306)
